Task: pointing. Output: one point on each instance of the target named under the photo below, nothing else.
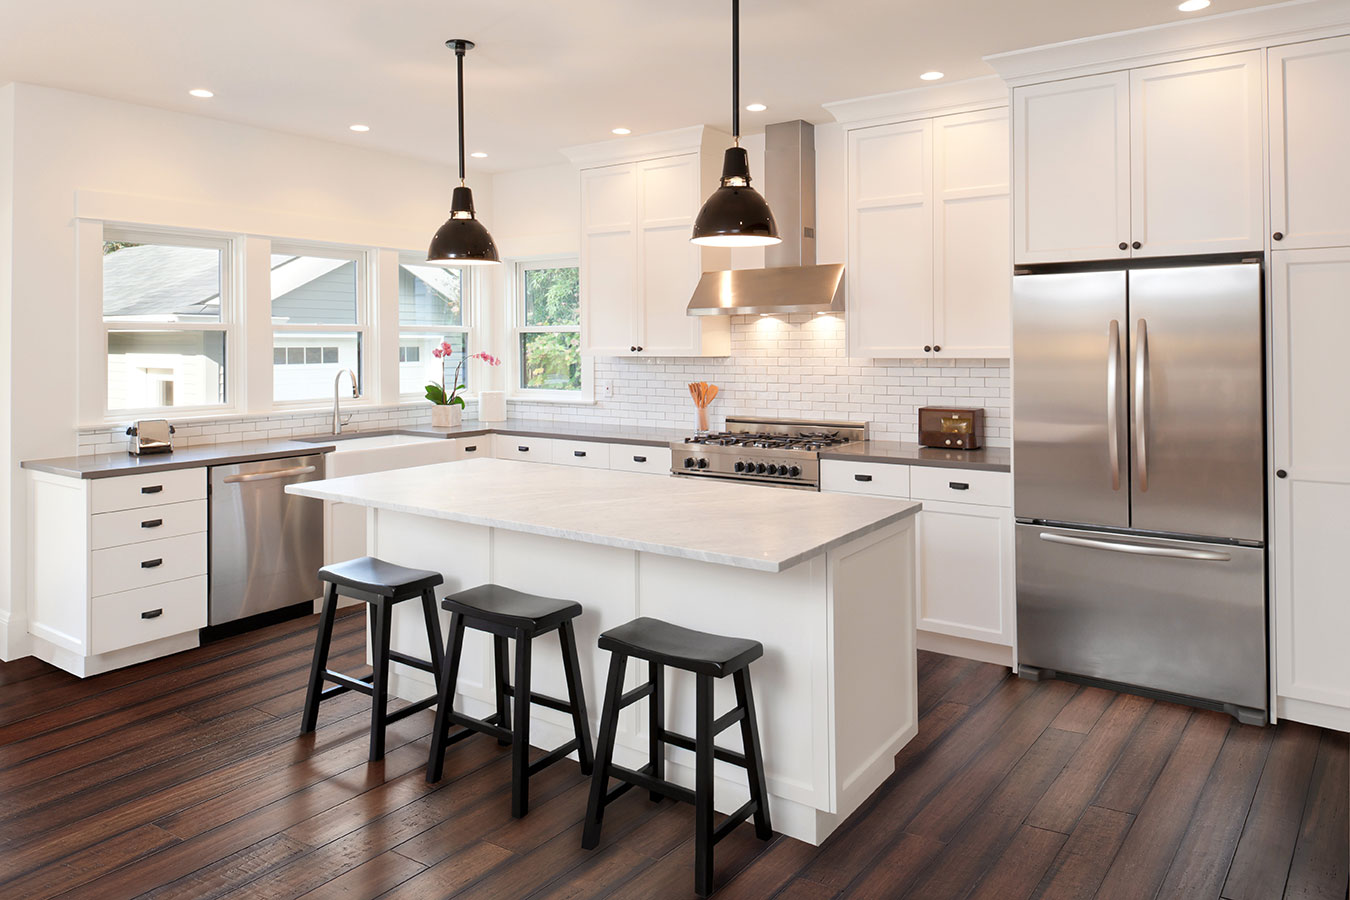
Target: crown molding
(921, 102)
(695, 139)
(1246, 29)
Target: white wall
(6, 277)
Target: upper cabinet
(638, 268)
(1309, 133)
(928, 271)
(1158, 161)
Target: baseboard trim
(998, 654)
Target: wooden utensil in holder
(703, 394)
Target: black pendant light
(735, 215)
(462, 240)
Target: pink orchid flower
(436, 353)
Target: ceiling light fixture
(203, 93)
(621, 131)
(930, 76)
(462, 240)
(1193, 5)
(755, 107)
(735, 215)
(478, 154)
(360, 129)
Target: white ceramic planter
(492, 406)
(446, 416)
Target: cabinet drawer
(961, 486)
(470, 448)
(510, 446)
(591, 454)
(147, 614)
(118, 569)
(134, 526)
(634, 458)
(150, 489)
(880, 479)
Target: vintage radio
(951, 427)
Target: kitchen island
(825, 582)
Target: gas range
(780, 452)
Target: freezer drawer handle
(152, 489)
(269, 476)
(152, 563)
(862, 477)
(958, 485)
(639, 459)
(152, 523)
(152, 613)
(1137, 549)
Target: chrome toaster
(150, 436)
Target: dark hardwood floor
(185, 777)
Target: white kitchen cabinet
(640, 458)
(1196, 171)
(1310, 314)
(1309, 134)
(523, 448)
(583, 454)
(1071, 169)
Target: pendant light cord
(735, 71)
(459, 65)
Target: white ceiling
(546, 74)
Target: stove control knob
(781, 470)
(760, 468)
(702, 463)
(794, 471)
(740, 466)
(688, 462)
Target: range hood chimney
(790, 281)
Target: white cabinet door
(609, 273)
(972, 274)
(1310, 316)
(1309, 134)
(667, 260)
(1195, 148)
(890, 240)
(966, 583)
(1071, 169)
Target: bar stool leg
(379, 684)
(500, 659)
(322, 641)
(520, 732)
(604, 750)
(435, 641)
(576, 695)
(754, 756)
(445, 700)
(703, 786)
(656, 722)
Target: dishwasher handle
(269, 476)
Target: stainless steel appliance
(150, 436)
(1139, 486)
(266, 545)
(782, 452)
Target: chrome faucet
(338, 421)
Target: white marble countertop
(750, 526)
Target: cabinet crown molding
(921, 102)
(1244, 29)
(647, 146)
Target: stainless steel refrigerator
(1139, 480)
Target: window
(167, 321)
(318, 320)
(431, 311)
(548, 333)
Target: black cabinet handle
(1281, 473)
(152, 489)
(1277, 236)
(927, 348)
(470, 448)
(862, 477)
(578, 453)
(1124, 246)
(1136, 245)
(152, 563)
(523, 449)
(958, 485)
(152, 523)
(937, 348)
(152, 613)
(639, 459)
(632, 348)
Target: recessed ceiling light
(361, 128)
(201, 92)
(1193, 5)
(479, 154)
(621, 130)
(930, 76)
(756, 107)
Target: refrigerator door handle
(1113, 401)
(1137, 549)
(1141, 403)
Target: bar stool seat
(512, 608)
(682, 648)
(376, 576)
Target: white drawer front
(510, 446)
(150, 489)
(880, 479)
(147, 614)
(961, 486)
(133, 526)
(591, 454)
(474, 447)
(133, 566)
(636, 458)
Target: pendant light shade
(462, 240)
(735, 215)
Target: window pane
(313, 290)
(550, 361)
(148, 369)
(429, 295)
(160, 283)
(551, 296)
(417, 367)
(309, 373)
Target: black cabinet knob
(1136, 245)
(1124, 246)
(927, 348)
(632, 348)
(639, 348)
(937, 348)
(1277, 236)
(1281, 473)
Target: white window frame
(517, 327)
(467, 326)
(229, 323)
(364, 325)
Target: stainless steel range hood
(790, 281)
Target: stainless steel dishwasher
(266, 545)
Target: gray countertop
(566, 431)
(109, 465)
(990, 459)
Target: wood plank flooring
(185, 778)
